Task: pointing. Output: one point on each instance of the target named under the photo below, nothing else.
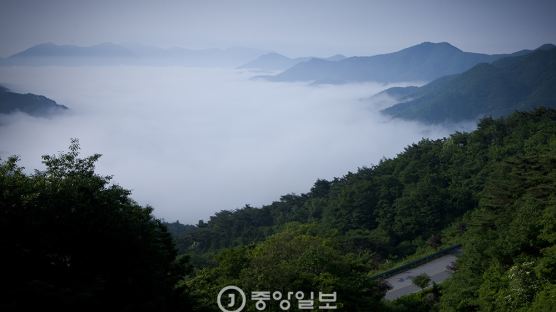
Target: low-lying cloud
(191, 142)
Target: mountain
(53, 50)
(335, 57)
(53, 54)
(277, 62)
(513, 83)
(129, 54)
(423, 62)
(273, 62)
(32, 104)
(490, 190)
(229, 57)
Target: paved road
(401, 283)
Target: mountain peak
(50, 49)
(487, 89)
(422, 62)
(273, 55)
(106, 45)
(272, 62)
(336, 57)
(546, 46)
(39, 48)
(44, 44)
(432, 45)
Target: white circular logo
(233, 292)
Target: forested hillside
(74, 241)
(32, 104)
(513, 83)
(491, 189)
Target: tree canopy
(491, 190)
(71, 240)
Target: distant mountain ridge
(32, 104)
(278, 62)
(130, 54)
(521, 82)
(273, 62)
(52, 50)
(423, 62)
(336, 57)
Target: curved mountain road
(437, 269)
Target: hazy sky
(293, 27)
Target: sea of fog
(191, 142)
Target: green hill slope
(492, 189)
(514, 83)
(75, 241)
(32, 104)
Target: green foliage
(73, 241)
(491, 189)
(509, 255)
(423, 301)
(293, 260)
(412, 197)
(545, 301)
(422, 281)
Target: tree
(73, 241)
(545, 301)
(421, 280)
(294, 259)
(492, 190)
(435, 241)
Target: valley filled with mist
(279, 155)
(208, 139)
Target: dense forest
(493, 190)
(73, 240)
